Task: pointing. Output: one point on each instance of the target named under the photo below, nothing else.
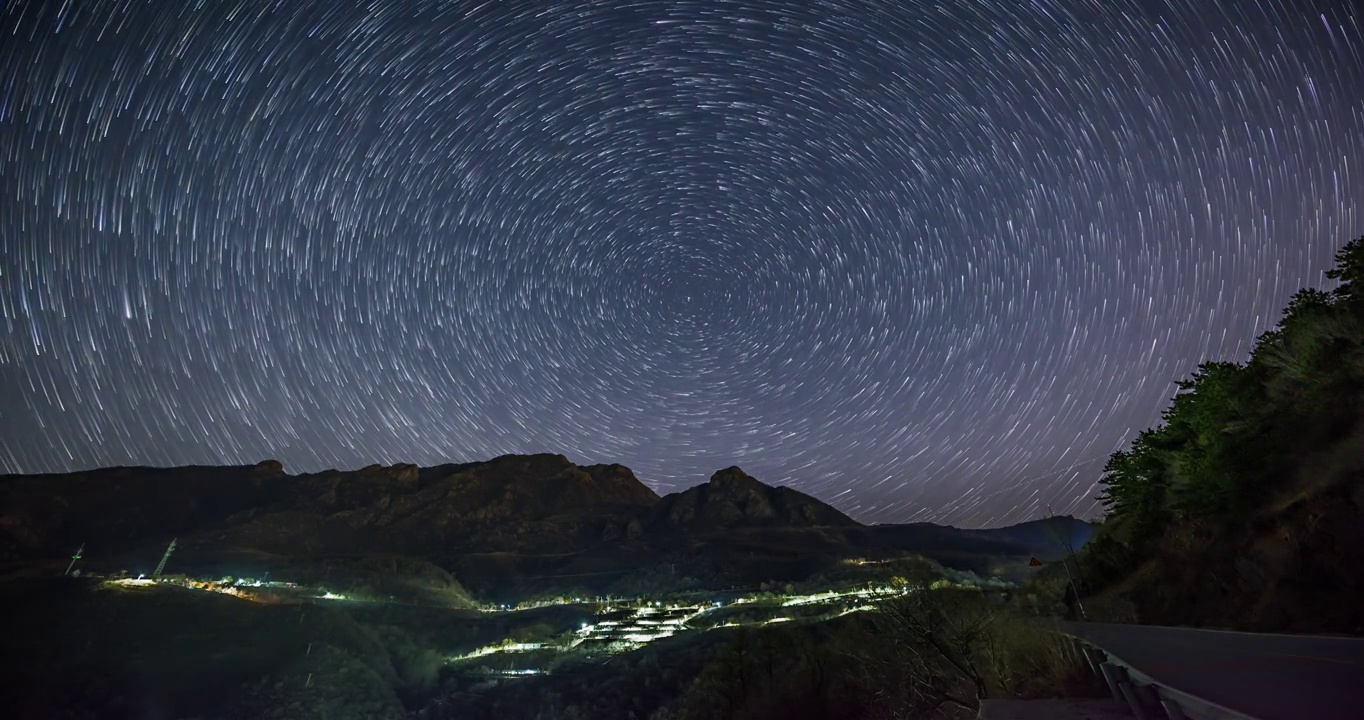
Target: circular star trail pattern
(925, 261)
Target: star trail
(925, 261)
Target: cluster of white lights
(504, 647)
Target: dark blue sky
(926, 261)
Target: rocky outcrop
(370, 487)
(618, 483)
(268, 469)
(518, 503)
(733, 498)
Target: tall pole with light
(161, 566)
(79, 551)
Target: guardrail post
(1113, 674)
(1129, 691)
(1150, 699)
(1096, 658)
(1172, 709)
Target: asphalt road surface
(1270, 677)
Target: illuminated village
(616, 624)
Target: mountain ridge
(511, 524)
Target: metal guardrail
(1147, 698)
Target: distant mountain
(510, 502)
(47, 515)
(1047, 538)
(732, 498)
(506, 527)
(1052, 537)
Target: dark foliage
(1238, 440)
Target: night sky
(925, 261)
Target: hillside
(1245, 507)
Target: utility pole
(79, 551)
(161, 566)
(1065, 563)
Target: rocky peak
(733, 479)
(402, 474)
(733, 498)
(268, 468)
(619, 483)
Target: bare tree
(926, 653)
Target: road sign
(1034, 562)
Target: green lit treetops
(1235, 432)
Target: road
(1270, 677)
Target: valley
(241, 592)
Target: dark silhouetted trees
(1234, 434)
